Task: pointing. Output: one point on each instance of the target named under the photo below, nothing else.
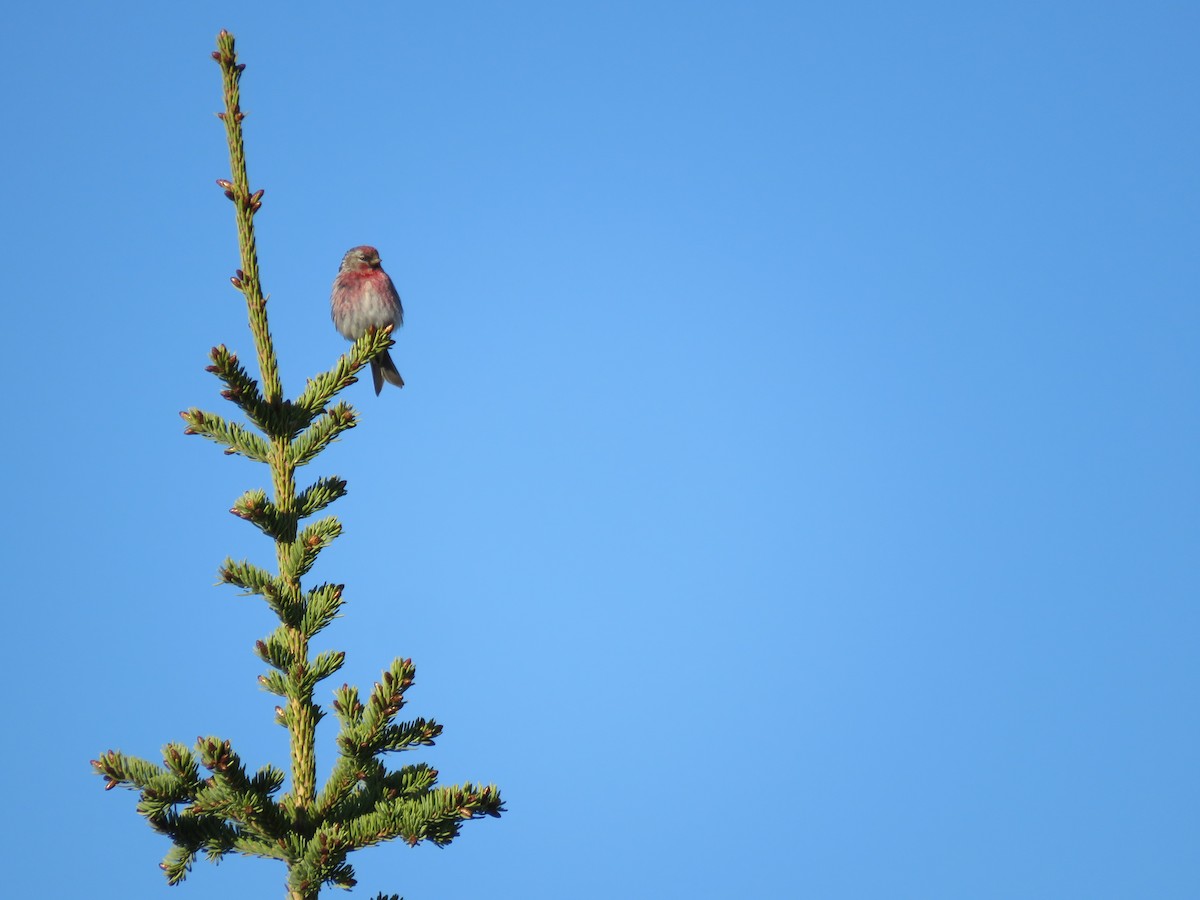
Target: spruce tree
(225, 809)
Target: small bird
(364, 297)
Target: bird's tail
(383, 369)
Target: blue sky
(795, 490)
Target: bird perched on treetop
(364, 297)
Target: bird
(364, 297)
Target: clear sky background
(795, 490)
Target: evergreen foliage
(229, 810)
